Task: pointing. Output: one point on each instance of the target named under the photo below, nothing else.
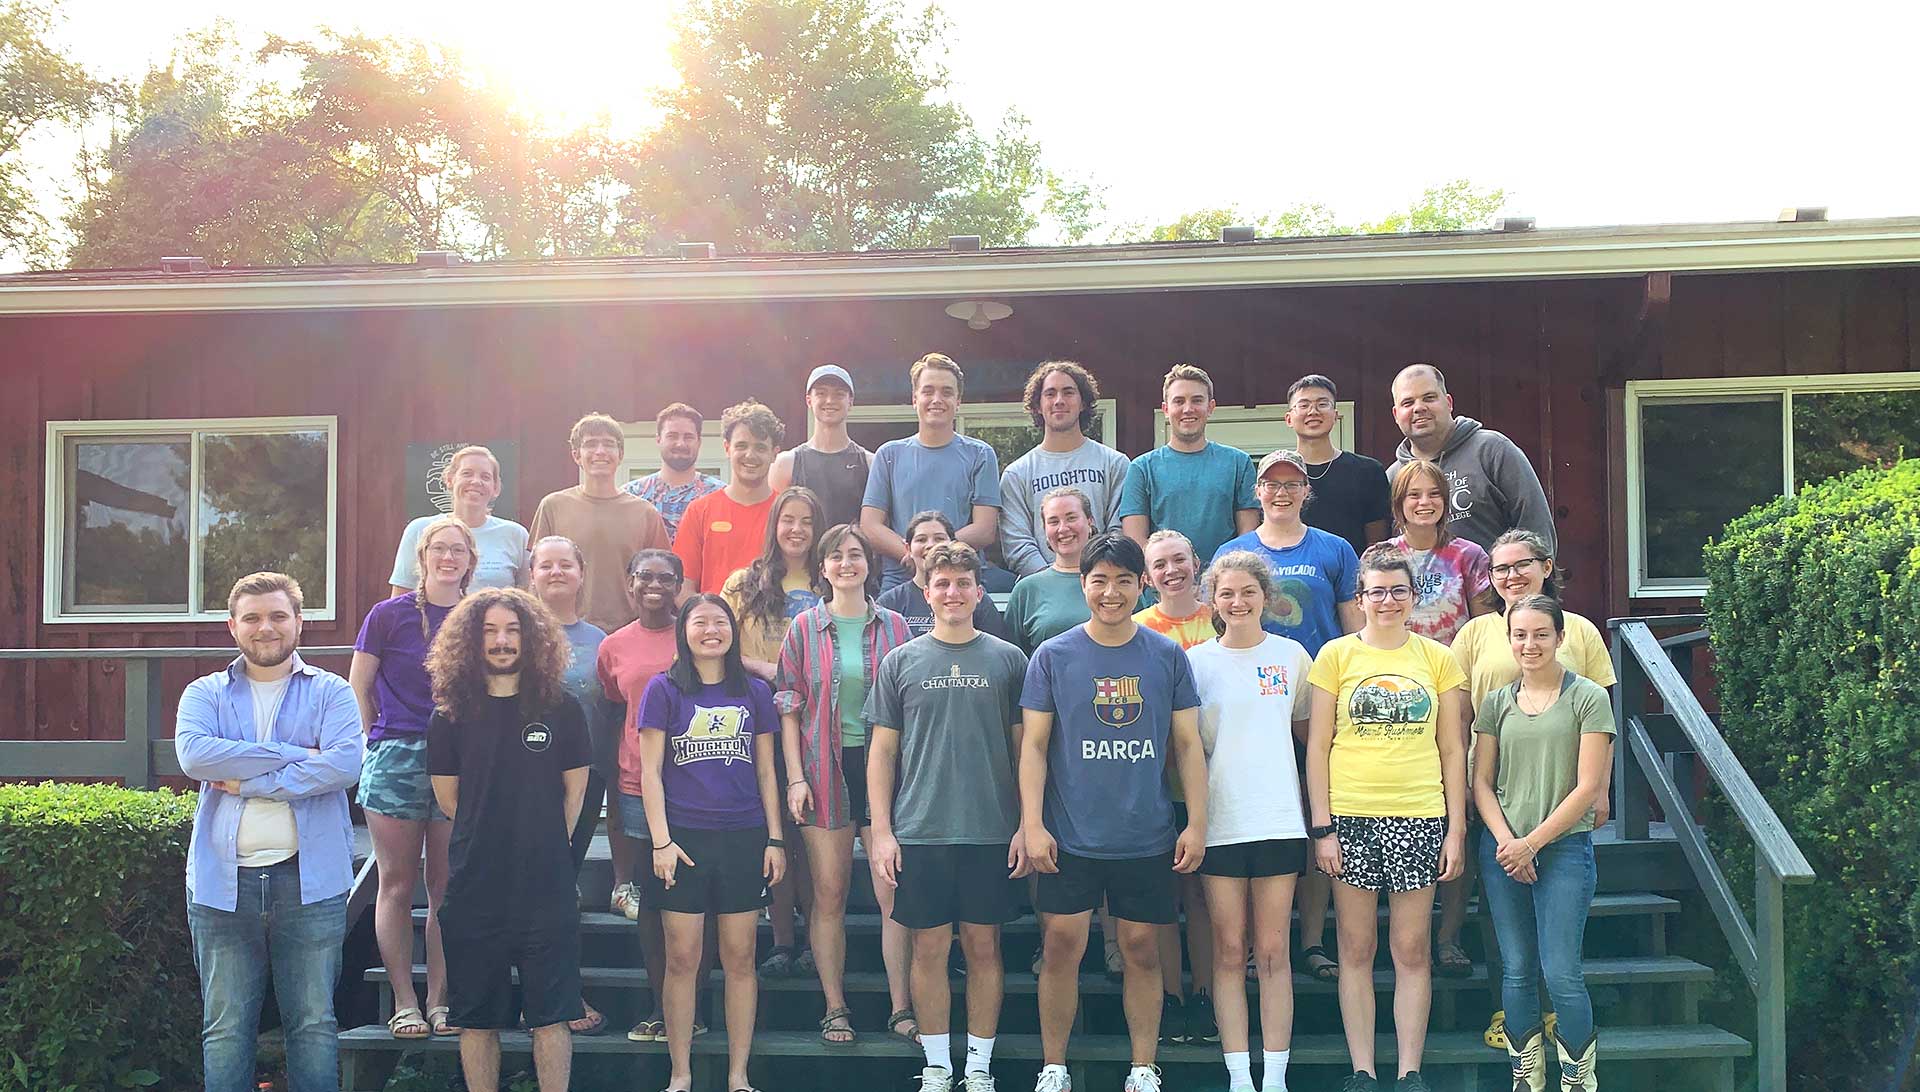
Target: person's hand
(773, 864)
(1602, 809)
(1453, 856)
(1043, 853)
(1189, 850)
(884, 856)
(231, 785)
(1526, 873)
(667, 859)
(799, 801)
(1326, 854)
(1018, 866)
(313, 752)
(1514, 852)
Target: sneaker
(1412, 1082)
(936, 1078)
(1143, 1078)
(1053, 1078)
(1173, 1020)
(1360, 1082)
(626, 902)
(1200, 1025)
(977, 1082)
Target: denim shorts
(393, 780)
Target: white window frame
(643, 451)
(1263, 413)
(53, 567)
(976, 415)
(1743, 388)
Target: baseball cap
(1285, 455)
(829, 371)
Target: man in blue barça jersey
(1106, 705)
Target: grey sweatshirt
(1093, 468)
(1493, 488)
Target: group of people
(1219, 687)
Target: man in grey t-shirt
(1060, 397)
(945, 707)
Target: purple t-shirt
(402, 693)
(708, 776)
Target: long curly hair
(762, 599)
(457, 662)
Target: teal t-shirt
(850, 678)
(1189, 492)
(1044, 606)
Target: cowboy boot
(1577, 1067)
(1527, 1053)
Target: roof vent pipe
(1805, 214)
(436, 259)
(963, 242)
(1514, 223)
(697, 252)
(1237, 233)
(184, 264)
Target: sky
(1585, 114)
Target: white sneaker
(1053, 1078)
(936, 1078)
(1144, 1078)
(977, 1082)
(626, 902)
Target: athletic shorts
(727, 875)
(853, 766)
(1256, 860)
(1389, 854)
(1143, 889)
(481, 958)
(393, 780)
(941, 885)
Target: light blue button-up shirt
(215, 739)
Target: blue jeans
(269, 932)
(1542, 928)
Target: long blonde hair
(420, 564)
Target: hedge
(1815, 614)
(97, 985)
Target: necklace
(1553, 695)
(1326, 469)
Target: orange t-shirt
(718, 536)
(1194, 629)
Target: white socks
(939, 1049)
(979, 1053)
(1273, 1072)
(1239, 1069)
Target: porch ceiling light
(979, 314)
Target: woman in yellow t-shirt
(1386, 778)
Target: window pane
(1702, 464)
(263, 505)
(871, 434)
(128, 514)
(1835, 433)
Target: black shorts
(853, 766)
(1389, 854)
(941, 885)
(1143, 889)
(727, 875)
(480, 962)
(1254, 860)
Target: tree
(824, 125)
(1452, 206)
(37, 86)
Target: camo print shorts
(393, 780)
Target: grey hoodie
(1492, 485)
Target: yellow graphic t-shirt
(1386, 754)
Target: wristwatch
(1317, 833)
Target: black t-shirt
(838, 478)
(1348, 493)
(510, 858)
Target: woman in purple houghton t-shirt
(713, 814)
(389, 677)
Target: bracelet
(777, 843)
(1529, 845)
(668, 844)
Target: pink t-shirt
(1445, 581)
(629, 659)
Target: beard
(271, 659)
(679, 463)
(494, 667)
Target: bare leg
(1064, 943)
(396, 852)
(1354, 910)
(684, 933)
(1199, 929)
(1140, 989)
(896, 946)
(1228, 894)
(439, 837)
(794, 891)
(1311, 895)
(743, 991)
(932, 1003)
(1272, 898)
(653, 956)
(619, 847)
(1453, 904)
(480, 1058)
(552, 1057)
(986, 978)
(1409, 917)
(831, 854)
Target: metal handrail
(1642, 769)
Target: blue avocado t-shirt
(1310, 578)
(1107, 758)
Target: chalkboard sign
(427, 490)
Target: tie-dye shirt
(1445, 582)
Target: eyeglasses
(1322, 405)
(1521, 567)
(667, 579)
(438, 550)
(1399, 593)
(1284, 487)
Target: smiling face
(679, 440)
(1061, 402)
(599, 455)
(1425, 504)
(829, 400)
(926, 533)
(749, 455)
(1517, 571)
(500, 631)
(953, 594)
(1531, 636)
(1386, 597)
(556, 573)
(936, 397)
(1111, 591)
(794, 530)
(1188, 407)
(845, 565)
(1067, 527)
(473, 481)
(1170, 566)
(265, 628)
(1282, 493)
(1311, 413)
(447, 557)
(1420, 407)
(1238, 600)
(709, 634)
(653, 586)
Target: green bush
(97, 986)
(1815, 614)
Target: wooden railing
(1657, 758)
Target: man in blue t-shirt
(1190, 484)
(1106, 705)
(935, 468)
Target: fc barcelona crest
(1117, 701)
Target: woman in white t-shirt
(1251, 683)
(472, 478)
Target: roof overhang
(1347, 260)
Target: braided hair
(420, 565)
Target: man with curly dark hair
(1062, 398)
(509, 754)
(721, 532)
